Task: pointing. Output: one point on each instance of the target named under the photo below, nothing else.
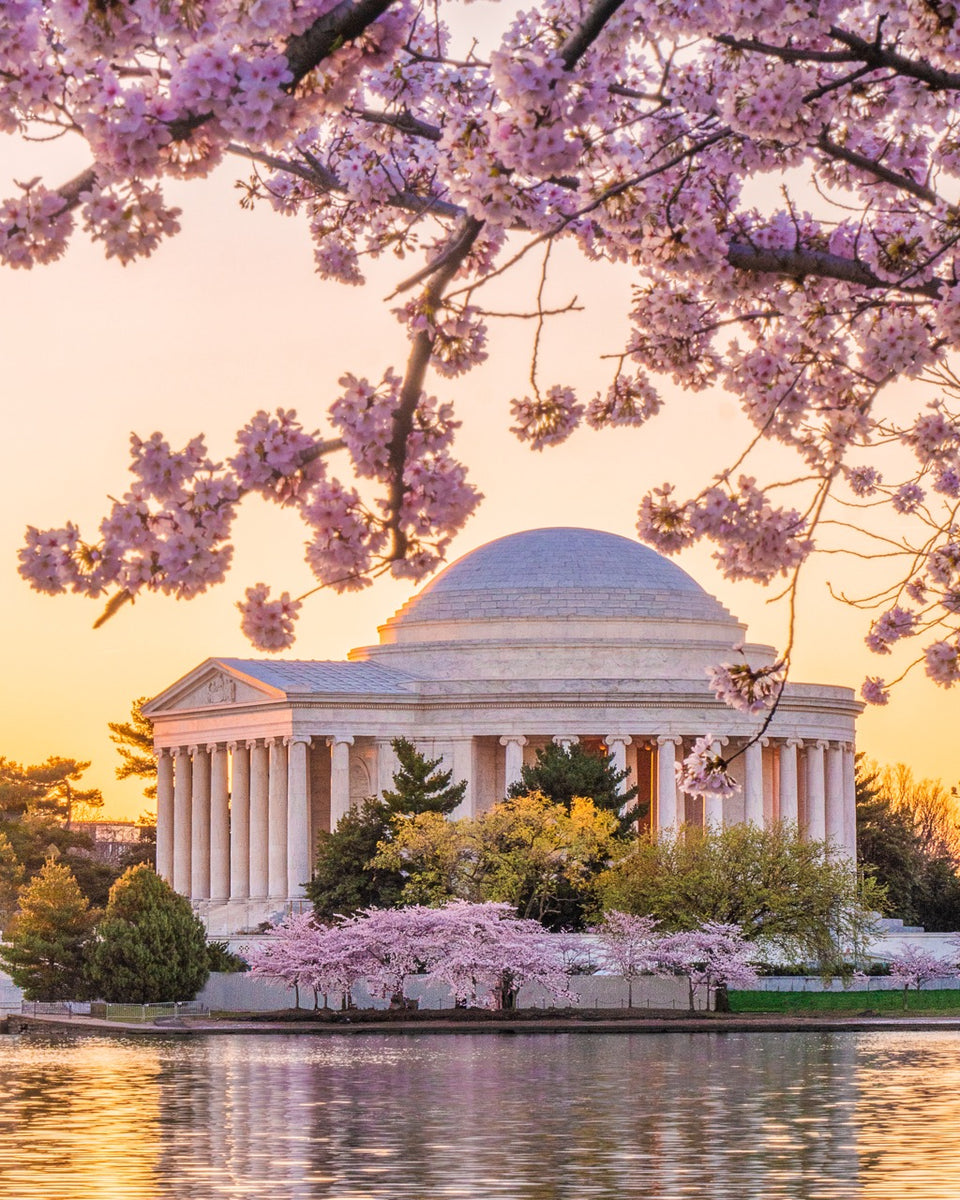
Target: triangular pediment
(211, 685)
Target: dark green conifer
(560, 773)
(150, 946)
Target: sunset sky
(229, 317)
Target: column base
(235, 918)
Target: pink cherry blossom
(704, 772)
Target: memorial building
(563, 635)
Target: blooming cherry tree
(629, 946)
(713, 956)
(913, 966)
(642, 132)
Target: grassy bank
(936, 1002)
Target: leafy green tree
(775, 884)
(418, 785)
(134, 742)
(48, 938)
(541, 857)
(560, 773)
(149, 946)
(344, 877)
(906, 839)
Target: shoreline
(712, 1023)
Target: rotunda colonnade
(551, 635)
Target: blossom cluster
(745, 688)
(704, 771)
(635, 134)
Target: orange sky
(228, 318)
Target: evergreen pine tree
(343, 879)
(419, 785)
(560, 773)
(150, 946)
(134, 742)
(48, 938)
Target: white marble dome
(563, 603)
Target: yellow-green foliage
(541, 857)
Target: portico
(552, 635)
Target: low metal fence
(171, 1010)
(55, 1008)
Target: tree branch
(864, 163)
(412, 387)
(588, 31)
(799, 263)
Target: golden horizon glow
(229, 317)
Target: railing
(55, 1008)
(171, 1010)
(114, 1012)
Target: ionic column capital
(192, 750)
(621, 738)
(253, 743)
(670, 740)
(165, 752)
(564, 741)
(794, 743)
(513, 739)
(822, 744)
(339, 739)
(212, 746)
(297, 739)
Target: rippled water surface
(524, 1117)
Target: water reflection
(522, 1117)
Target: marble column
(339, 777)
(277, 820)
(240, 821)
(669, 817)
(387, 764)
(816, 826)
(617, 744)
(513, 745)
(461, 763)
(219, 823)
(259, 829)
(713, 804)
(850, 801)
(165, 815)
(298, 815)
(753, 784)
(182, 819)
(789, 791)
(200, 825)
(834, 799)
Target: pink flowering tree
(713, 957)
(488, 954)
(329, 960)
(641, 132)
(629, 946)
(396, 942)
(913, 966)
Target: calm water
(524, 1117)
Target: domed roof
(561, 572)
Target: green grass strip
(942, 1001)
